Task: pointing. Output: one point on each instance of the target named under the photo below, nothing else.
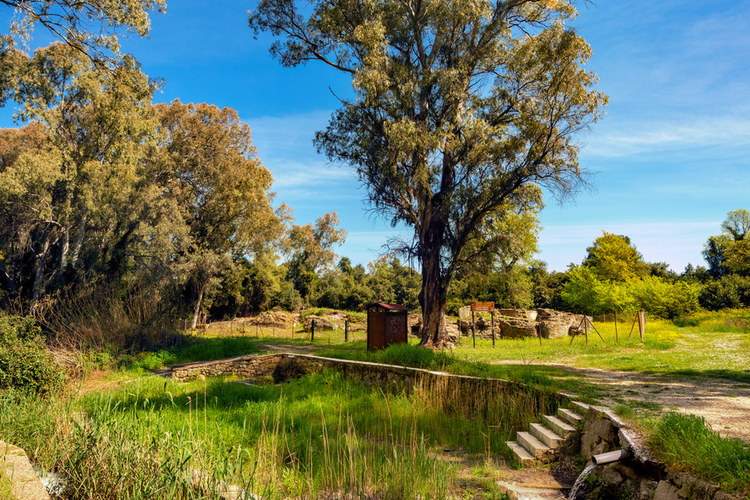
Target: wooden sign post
(482, 307)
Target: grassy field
(147, 437)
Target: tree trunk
(197, 312)
(433, 297)
(79, 242)
(41, 262)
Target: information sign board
(482, 307)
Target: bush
(729, 292)
(24, 362)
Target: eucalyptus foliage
(460, 110)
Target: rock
(667, 491)
(648, 488)
(603, 429)
(321, 324)
(414, 321)
(516, 328)
(464, 326)
(464, 312)
(527, 314)
(482, 324)
(274, 319)
(610, 476)
(451, 328)
(553, 329)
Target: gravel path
(724, 404)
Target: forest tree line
(103, 189)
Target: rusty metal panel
(376, 329)
(395, 329)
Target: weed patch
(687, 442)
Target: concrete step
(579, 407)
(535, 447)
(545, 435)
(520, 452)
(569, 416)
(560, 427)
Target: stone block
(321, 324)
(667, 491)
(610, 476)
(515, 328)
(553, 329)
(603, 429)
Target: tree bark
(41, 262)
(433, 296)
(196, 314)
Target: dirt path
(724, 404)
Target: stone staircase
(542, 440)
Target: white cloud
(637, 137)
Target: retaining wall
(643, 477)
(16, 468)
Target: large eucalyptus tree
(461, 108)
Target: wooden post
(642, 323)
(346, 330)
(633, 325)
(616, 339)
(473, 328)
(539, 333)
(586, 328)
(312, 331)
(492, 325)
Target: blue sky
(669, 159)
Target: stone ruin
(321, 324)
(520, 323)
(274, 319)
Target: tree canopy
(90, 26)
(613, 257)
(460, 107)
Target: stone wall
(16, 468)
(641, 477)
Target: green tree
(737, 224)
(613, 257)
(73, 194)
(310, 250)
(582, 292)
(207, 165)
(729, 252)
(90, 26)
(459, 107)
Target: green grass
(716, 344)
(725, 462)
(194, 348)
(322, 434)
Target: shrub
(24, 362)
(715, 459)
(729, 292)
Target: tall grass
(687, 442)
(99, 316)
(322, 436)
